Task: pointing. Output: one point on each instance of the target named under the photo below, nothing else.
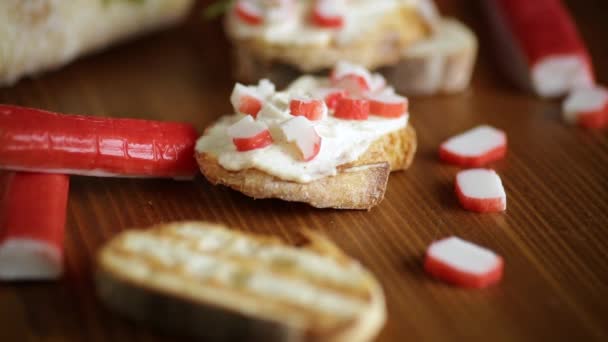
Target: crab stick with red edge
(475, 147)
(349, 108)
(555, 60)
(587, 107)
(388, 105)
(329, 13)
(248, 134)
(249, 12)
(463, 263)
(300, 131)
(40, 141)
(312, 109)
(480, 190)
(32, 222)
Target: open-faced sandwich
(38, 35)
(219, 284)
(326, 141)
(280, 39)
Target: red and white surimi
(32, 223)
(350, 108)
(248, 134)
(355, 79)
(329, 13)
(475, 147)
(387, 105)
(462, 263)
(312, 109)
(250, 12)
(302, 133)
(480, 190)
(249, 99)
(330, 95)
(544, 34)
(587, 107)
(40, 141)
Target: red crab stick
(543, 32)
(32, 220)
(462, 263)
(41, 141)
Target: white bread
(441, 64)
(215, 283)
(38, 35)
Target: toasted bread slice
(215, 283)
(441, 64)
(255, 57)
(40, 35)
(359, 185)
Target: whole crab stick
(40, 141)
(32, 221)
(555, 59)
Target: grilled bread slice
(205, 280)
(359, 185)
(441, 64)
(38, 35)
(256, 58)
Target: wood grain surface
(553, 237)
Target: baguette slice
(256, 58)
(45, 34)
(215, 283)
(359, 185)
(441, 64)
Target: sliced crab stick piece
(480, 190)
(250, 12)
(302, 133)
(543, 32)
(355, 79)
(475, 147)
(249, 99)
(32, 222)
(329, 13)
(350, 108)
(330, 95)
(248, 134)
(463, 263)
(387, 105)
(312, 109)
(587, 107)
(40, 141)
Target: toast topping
(307, 131)
(196, 260)
(311, 22)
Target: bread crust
(358, 185)
(381, 46)
(166, 305)
(40, 35)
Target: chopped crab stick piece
(302, 133)
(312, 109)
(475, 147)
(40, 141)
(248, 134)
(330, 95)
(329, 13)
(353, 78)
(543, 32)
(249, 99)
(352, 109)
(462, 263)
(249, 11)
(587, 107)
(387, 105)
(480, 190)
(32, 222)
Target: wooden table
(553, 237)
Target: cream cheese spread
(360, 16)
(343, 141)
